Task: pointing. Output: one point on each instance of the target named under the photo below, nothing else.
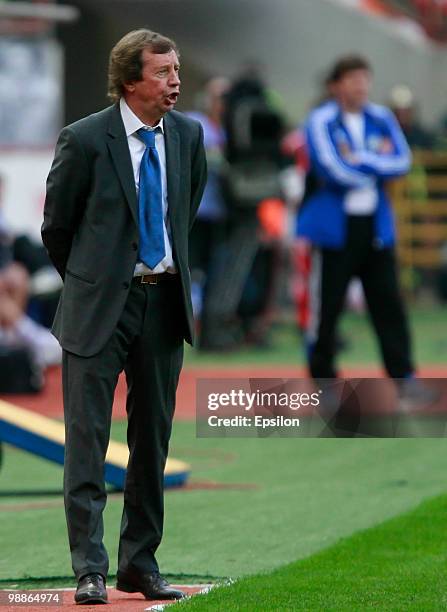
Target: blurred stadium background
(251, 506)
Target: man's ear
(129, 87)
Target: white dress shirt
(362, 200)
(137, 147)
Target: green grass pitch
(301, 524)
(398, 566)
(285, 499)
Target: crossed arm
(357, 169)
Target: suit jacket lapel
(172, 146)
(119, 150)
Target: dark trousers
(226, 286)
(376, 267)
(206, 249)
(205, 238)
(148, 345)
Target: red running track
(49, 401)
(118, 602)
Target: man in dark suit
(122, 195)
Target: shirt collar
(132, 123)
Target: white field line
(204, 589)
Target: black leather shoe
(91, 590)
(152, 585)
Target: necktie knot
(148, 137)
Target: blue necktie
(150, 204)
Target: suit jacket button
(134, 246)
(126, 285)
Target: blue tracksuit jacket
(322, 218)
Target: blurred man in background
(354, 148)
(26, 346)
(253, 128)
(403, 105)
(122, 195)
(208, 233)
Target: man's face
(159, 88)
(352, 90)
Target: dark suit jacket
(90, 226)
